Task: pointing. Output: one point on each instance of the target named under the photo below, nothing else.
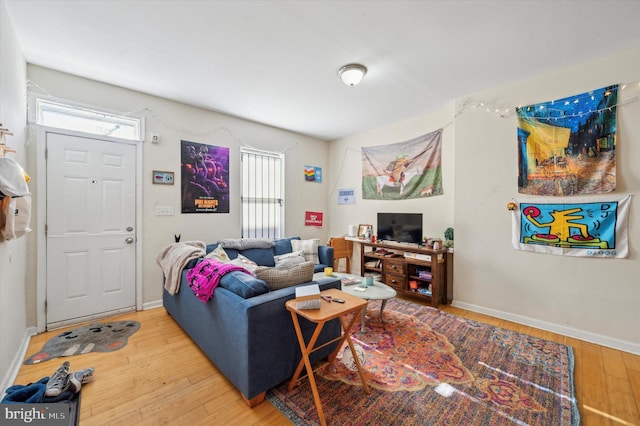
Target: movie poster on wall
(568, 146)
(205, 178)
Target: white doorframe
(41, 212)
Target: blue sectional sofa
(245, 329)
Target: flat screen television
(400, 227)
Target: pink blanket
(206, 275)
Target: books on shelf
(422, 290)
(373, 264)
(425, 290)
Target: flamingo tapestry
(410, 169)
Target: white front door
(91, 212)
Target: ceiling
(276, 62)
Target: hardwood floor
(161, 377)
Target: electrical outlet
(164, 211)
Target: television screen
(400, 227)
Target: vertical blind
(262, 193)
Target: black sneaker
(79, 378)
(59, 381)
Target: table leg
(307, 363)
(382, 305)
(347, 336)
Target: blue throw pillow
(283, 245)
(261, 256)
(243, 284)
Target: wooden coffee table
(378, 291)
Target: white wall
(175, 122)
(592, 299)
(13, 253)
(346, 172)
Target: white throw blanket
(174, 257)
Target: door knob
(129, 228)
(129, 240)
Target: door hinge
(46, 306)
(46, 229)
(46, 153)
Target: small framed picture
(365, 231)
(163, 178)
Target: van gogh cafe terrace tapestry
(568, 146)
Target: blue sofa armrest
(325, 255)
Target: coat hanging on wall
(15, 199)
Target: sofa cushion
(281, 277)
(308, 247)
(289, 259)
(219, 254)
(245, 263)
(283, 245)
(243, 284)
(263, 257)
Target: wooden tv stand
(411, 270)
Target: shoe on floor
(79, 378)
(59, 381)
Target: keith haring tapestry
(403, 170)
(568, 146)
(205, 178)
(586, 228)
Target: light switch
(164, 211)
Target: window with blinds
(262, 193)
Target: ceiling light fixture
(351, 74)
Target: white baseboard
(587, 336)
(13, 370)
(152, 305)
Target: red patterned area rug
(427, 367)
